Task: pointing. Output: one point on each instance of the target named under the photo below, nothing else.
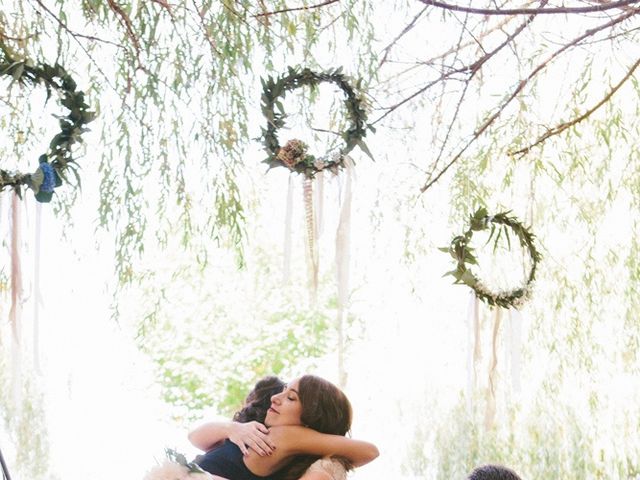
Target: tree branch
(128, 26)
(471, 69)
(295, 9)
(207, 36)
(404, 31)
(529, 11)
(558, 129)
(17, 39)
(76, 35)
(487, 123)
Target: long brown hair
(326, 409)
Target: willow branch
(469, 43)
(558, 129)
(295, 9)
(471, 69)
(404, 31)
(164, 5)
(3, 36)
(210, 40)
(76, 35)
(529, 11)
(521, 85)
(128, 26)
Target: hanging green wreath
(293, 154)
(462, 253)
(53, 164)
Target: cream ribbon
(286, 261)
(343, 257)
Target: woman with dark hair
(247, 429)
(305, 421)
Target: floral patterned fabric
(332, 467)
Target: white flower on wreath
(319, 164)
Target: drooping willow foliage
(173, 84)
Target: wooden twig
(295, 9)
(521, 85)
(470, 69)
(210, 40)
(404, 31)
(558, 129)
(128, 26)
(530, 11)
(76, 35)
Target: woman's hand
(253, 435)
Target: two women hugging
(283, 432)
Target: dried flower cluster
(293, 152)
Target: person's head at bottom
(493, 472)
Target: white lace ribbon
(473, 348)
(343, 258)
(312, 246)
(493, 372)
(515, 349)
(37, 296)
(15, 312)
(286, 261)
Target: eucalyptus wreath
(293, 154)
(462, 252)
(58, 159)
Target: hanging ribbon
(343, 256)
(312, 247)
(473, 348)
(515, 348)
(318, 204)
(37, 297)
(16, 299)
(286, 263)
(493, 373)
(16, 274)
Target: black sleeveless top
(227, 461)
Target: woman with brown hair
(306, 421)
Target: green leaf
(44, 197)
(36, 179)
(365, 149)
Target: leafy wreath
(52, 165)
(293, 154)
(462, 252)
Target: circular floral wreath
(53, 164)
(462, 252)
(293, 154)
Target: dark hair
(493, 472)
(326, 409)
(259, 400)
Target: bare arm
(245, 435)
(297, 440)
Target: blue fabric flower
(49, 182)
